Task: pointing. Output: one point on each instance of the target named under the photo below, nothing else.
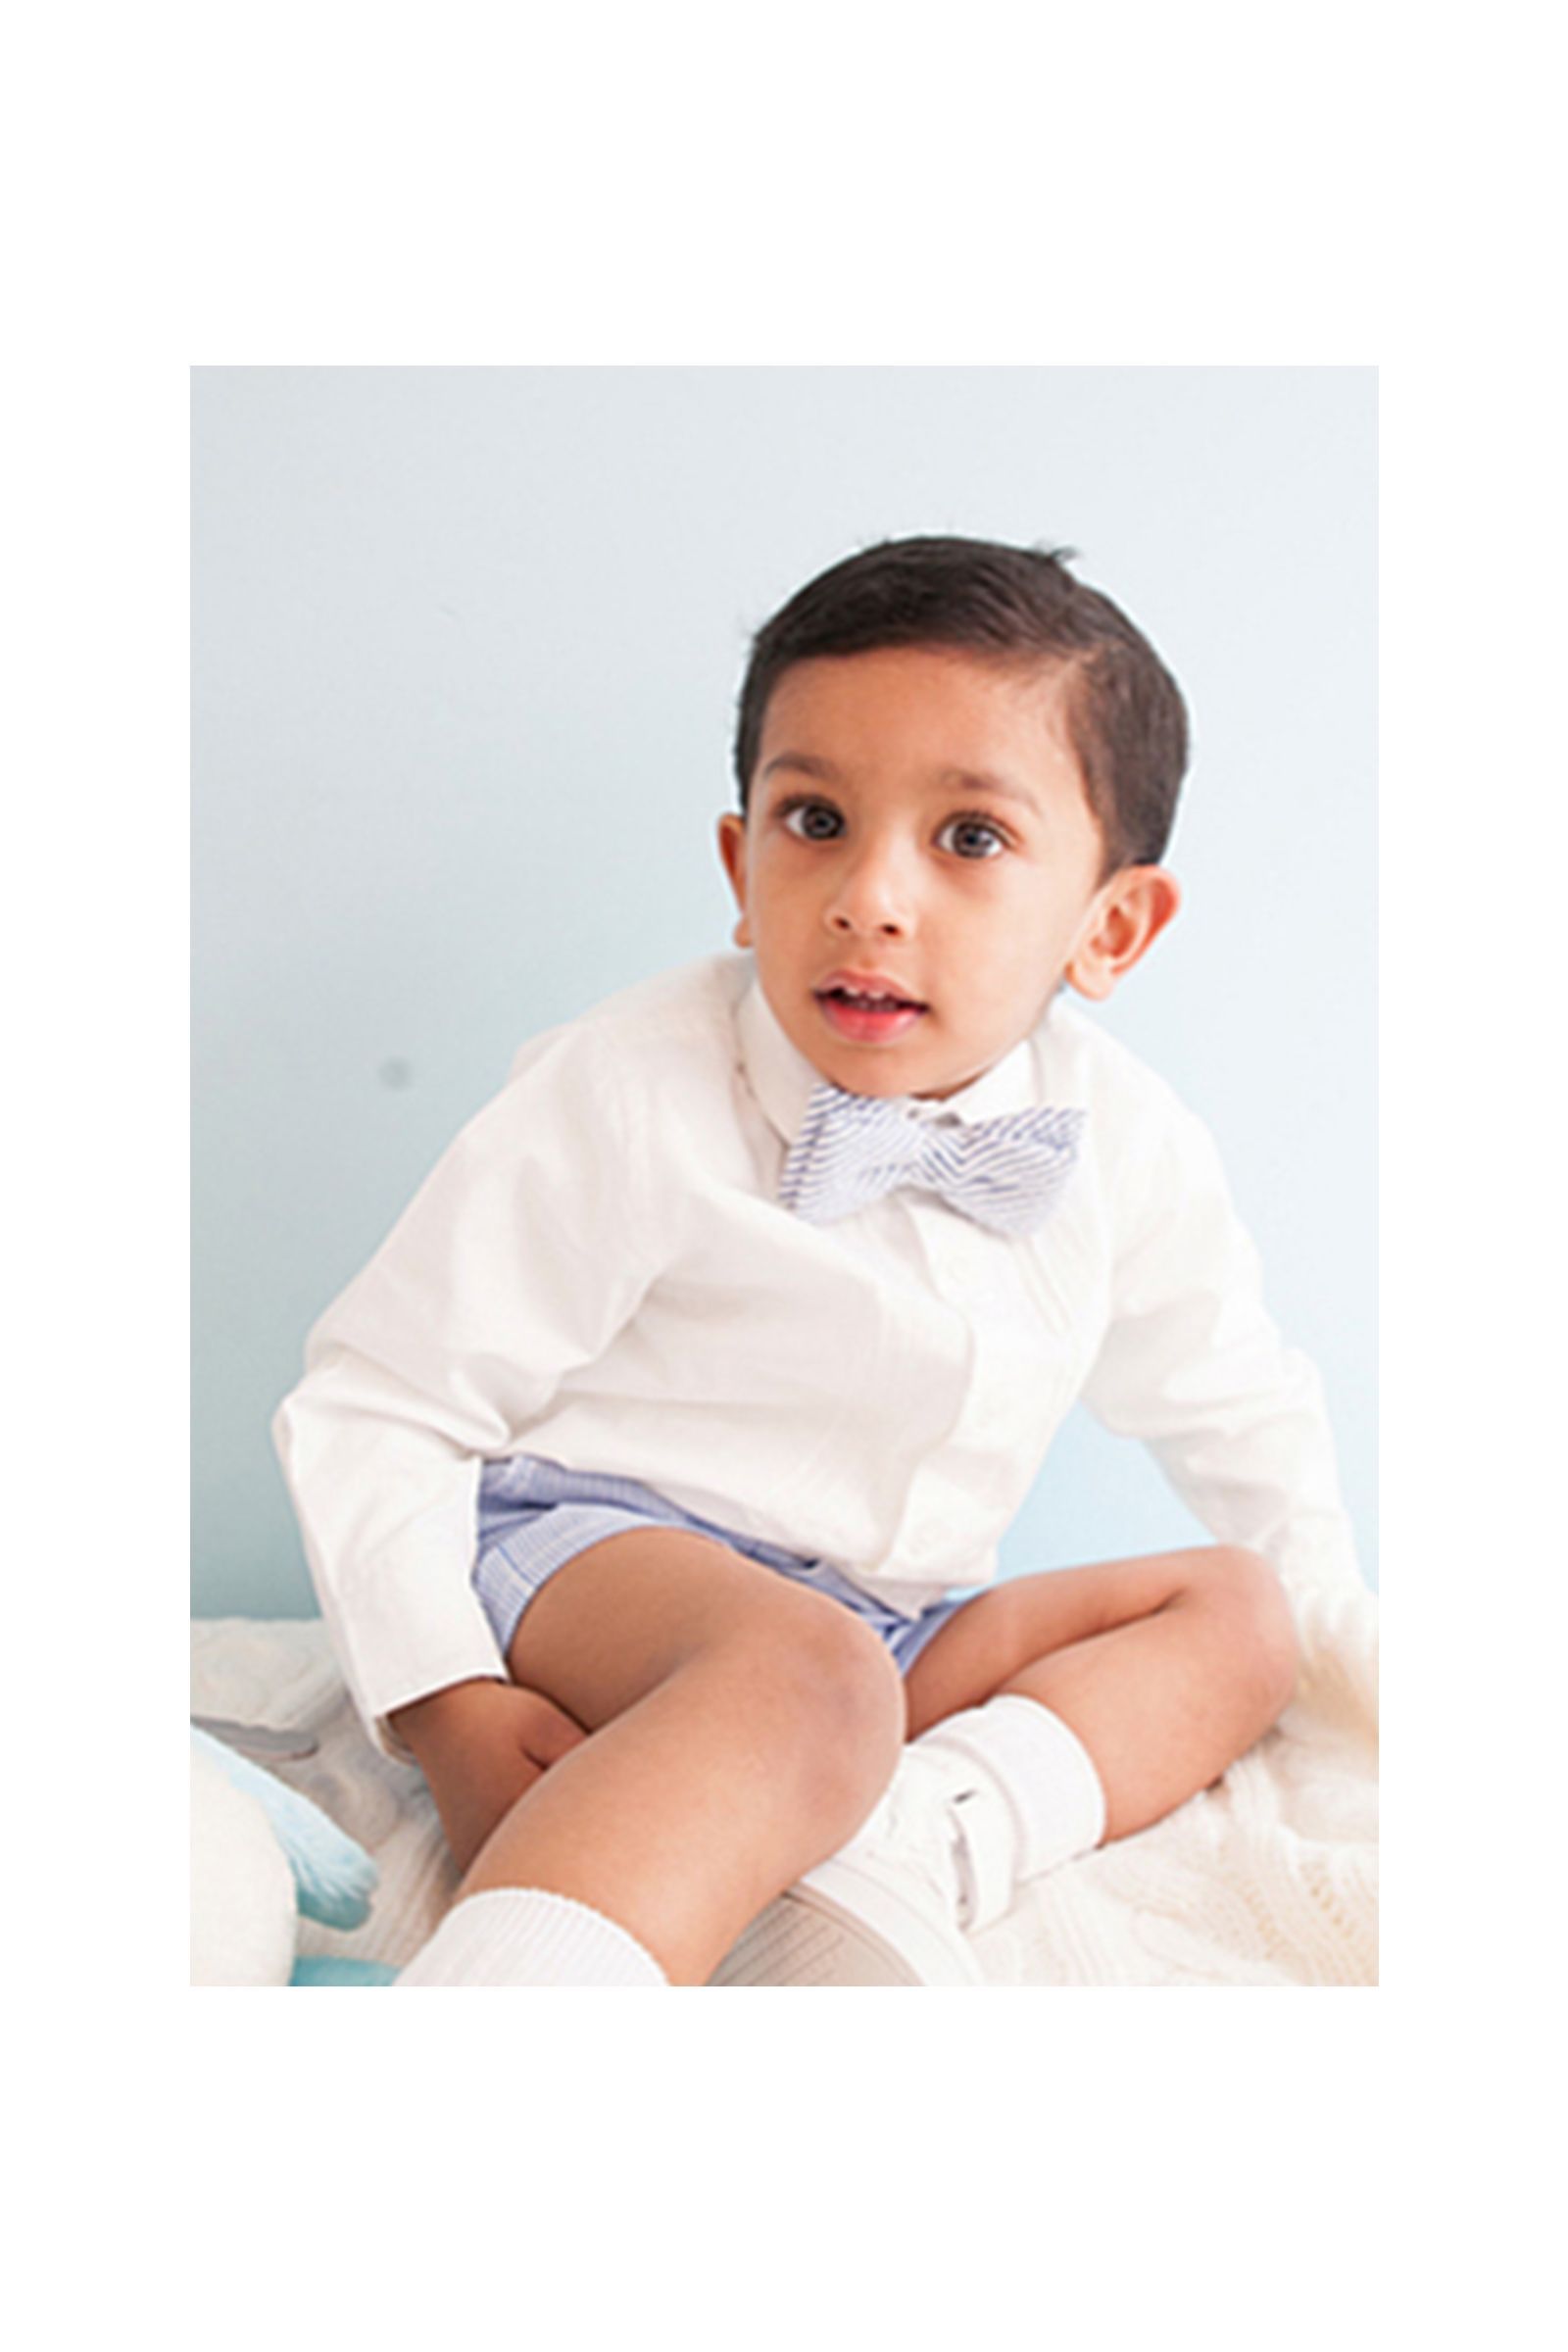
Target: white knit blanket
(1269, 1878)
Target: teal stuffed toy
(260, 1855)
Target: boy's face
(919, 867)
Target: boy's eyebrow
(982, 779)
(951, 780)
(805, 763)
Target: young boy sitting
(648, 1472)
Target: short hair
(1019, 607)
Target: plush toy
(261, 1854)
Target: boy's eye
(970, 837)
(812, 820)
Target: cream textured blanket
(1269, 1878)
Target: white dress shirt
(599, 1271)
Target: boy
(643, 1471)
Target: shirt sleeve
(1193, 1364)
(521, 1255)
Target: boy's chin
(889, 1077)
(859, 1081)
(867, 1073)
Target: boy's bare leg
(1168, 1668)
(741, 1730)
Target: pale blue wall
(466, 645)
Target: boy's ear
(732, 853)
(1126, 919)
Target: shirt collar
(784, 1081)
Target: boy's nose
(871, 898)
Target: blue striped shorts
(534, 1516)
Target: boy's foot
(890, 1907)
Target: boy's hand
(480, 1744)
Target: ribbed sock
(523, 1936)
(1042, 1769)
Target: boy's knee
(841, 1700)
(1261, 1630)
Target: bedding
(1268, 1878)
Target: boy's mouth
(866, 1010)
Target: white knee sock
(1043, 1770)
(523, 1936)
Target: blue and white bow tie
(1007, 1173)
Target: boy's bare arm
(480, 1744)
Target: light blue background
(466, 643)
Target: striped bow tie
(1007, 1173)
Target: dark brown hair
(1021, 607)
